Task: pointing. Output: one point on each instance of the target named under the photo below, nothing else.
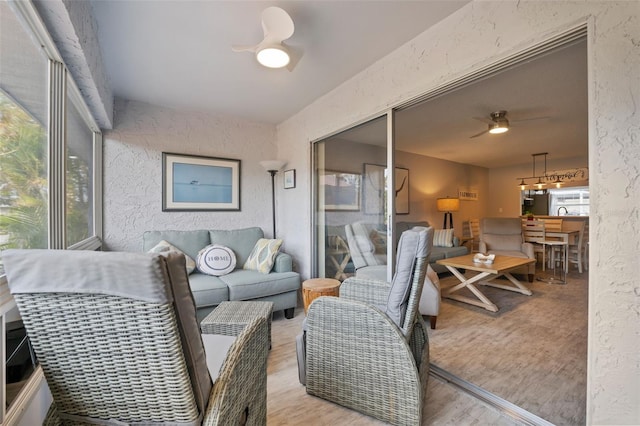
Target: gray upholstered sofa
(280, 286)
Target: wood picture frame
(198, 183)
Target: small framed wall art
(290, 179)
(197, 183)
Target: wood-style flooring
(531, 353)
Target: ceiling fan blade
(479, 134)
(277, 24)
(484, 120)
(530, 119)
(244, 48)
(295, 53)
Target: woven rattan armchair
(368, 349)
(118, 341)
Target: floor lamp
(448, 205)
(273, 166)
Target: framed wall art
(375, 182)
(197, 183)
(341, 190)
(289, 179)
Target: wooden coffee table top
(500, 264)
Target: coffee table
(501, 266)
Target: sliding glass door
(351, 217)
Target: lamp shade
(270, 165)
(448, 204)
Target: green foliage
(23, 178)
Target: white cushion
(164, 247)
(216, 347)
(443, 238)
(216, 260)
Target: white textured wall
(482, 33)
(133, 170)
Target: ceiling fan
(498, 123)
(271, 52)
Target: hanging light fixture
(541, 183)
(523, 185)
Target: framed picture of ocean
(197, 183)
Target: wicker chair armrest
(369, 291)
(240, 392)
(359, 357)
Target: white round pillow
(216, 260)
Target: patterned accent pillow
(443, 238)
(263, 255)
(164, 247)
(216, 260)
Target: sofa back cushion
(190, 242)
(501, 233)
(241, 241)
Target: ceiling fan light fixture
(273, 57)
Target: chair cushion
(216, 347)
(241, 241)
(413, 244)
(263, 255)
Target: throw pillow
(379, 240)
(263, 255)
(216, 260)
(164, 247)
(443, 238)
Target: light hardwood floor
(532, 353)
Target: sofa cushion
(190, 242)
(164, 247)
(216, 260)
(443, 238)
(452, 251)
(241, 241)
(263, 255)
(207, 290)
(438, 253)
(246, 284)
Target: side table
(316, 287)
(230, 318)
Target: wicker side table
(230, 318)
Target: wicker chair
(118, 341)
(368, 350)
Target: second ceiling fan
(499, 123)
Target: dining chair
(576, 248)
(533, 231)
